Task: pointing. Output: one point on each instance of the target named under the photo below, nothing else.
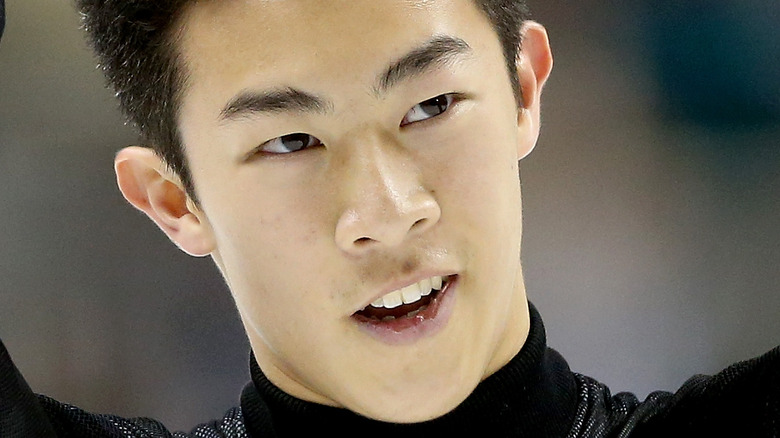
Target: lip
(407, 330)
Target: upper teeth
(409, 294)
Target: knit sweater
(534, 395)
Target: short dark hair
(135, 42)
(2, 17)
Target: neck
(533, 395)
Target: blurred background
(652, 203)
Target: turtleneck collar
(534, 395)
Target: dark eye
(289, 143)
(429, 108)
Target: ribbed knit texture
(20, 413)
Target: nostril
(419, 222)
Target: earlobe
(534, 64)
(147, 183)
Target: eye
(289, 143)
(428, 109)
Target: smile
(404, 302)
(412, 312)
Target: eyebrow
(434, 53)
(438, 51)
(287, 99)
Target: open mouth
(406, 303)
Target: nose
(384, 201)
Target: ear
(534, 64)
(150, 186)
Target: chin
(411, 414)
(416, 408)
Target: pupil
(295, 142)
(435, 106)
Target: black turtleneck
(534, 395)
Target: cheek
(271, 246)
(276, 266)
(478, 178)
(479, 192)
(269, 242)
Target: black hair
(2, 17)
(135, 42)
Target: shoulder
(741, 400)
(69, 420)
(24, 414)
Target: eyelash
(441, 103)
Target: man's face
(344, 150)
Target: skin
(306, 239)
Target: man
(351, 168)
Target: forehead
(228, 45)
